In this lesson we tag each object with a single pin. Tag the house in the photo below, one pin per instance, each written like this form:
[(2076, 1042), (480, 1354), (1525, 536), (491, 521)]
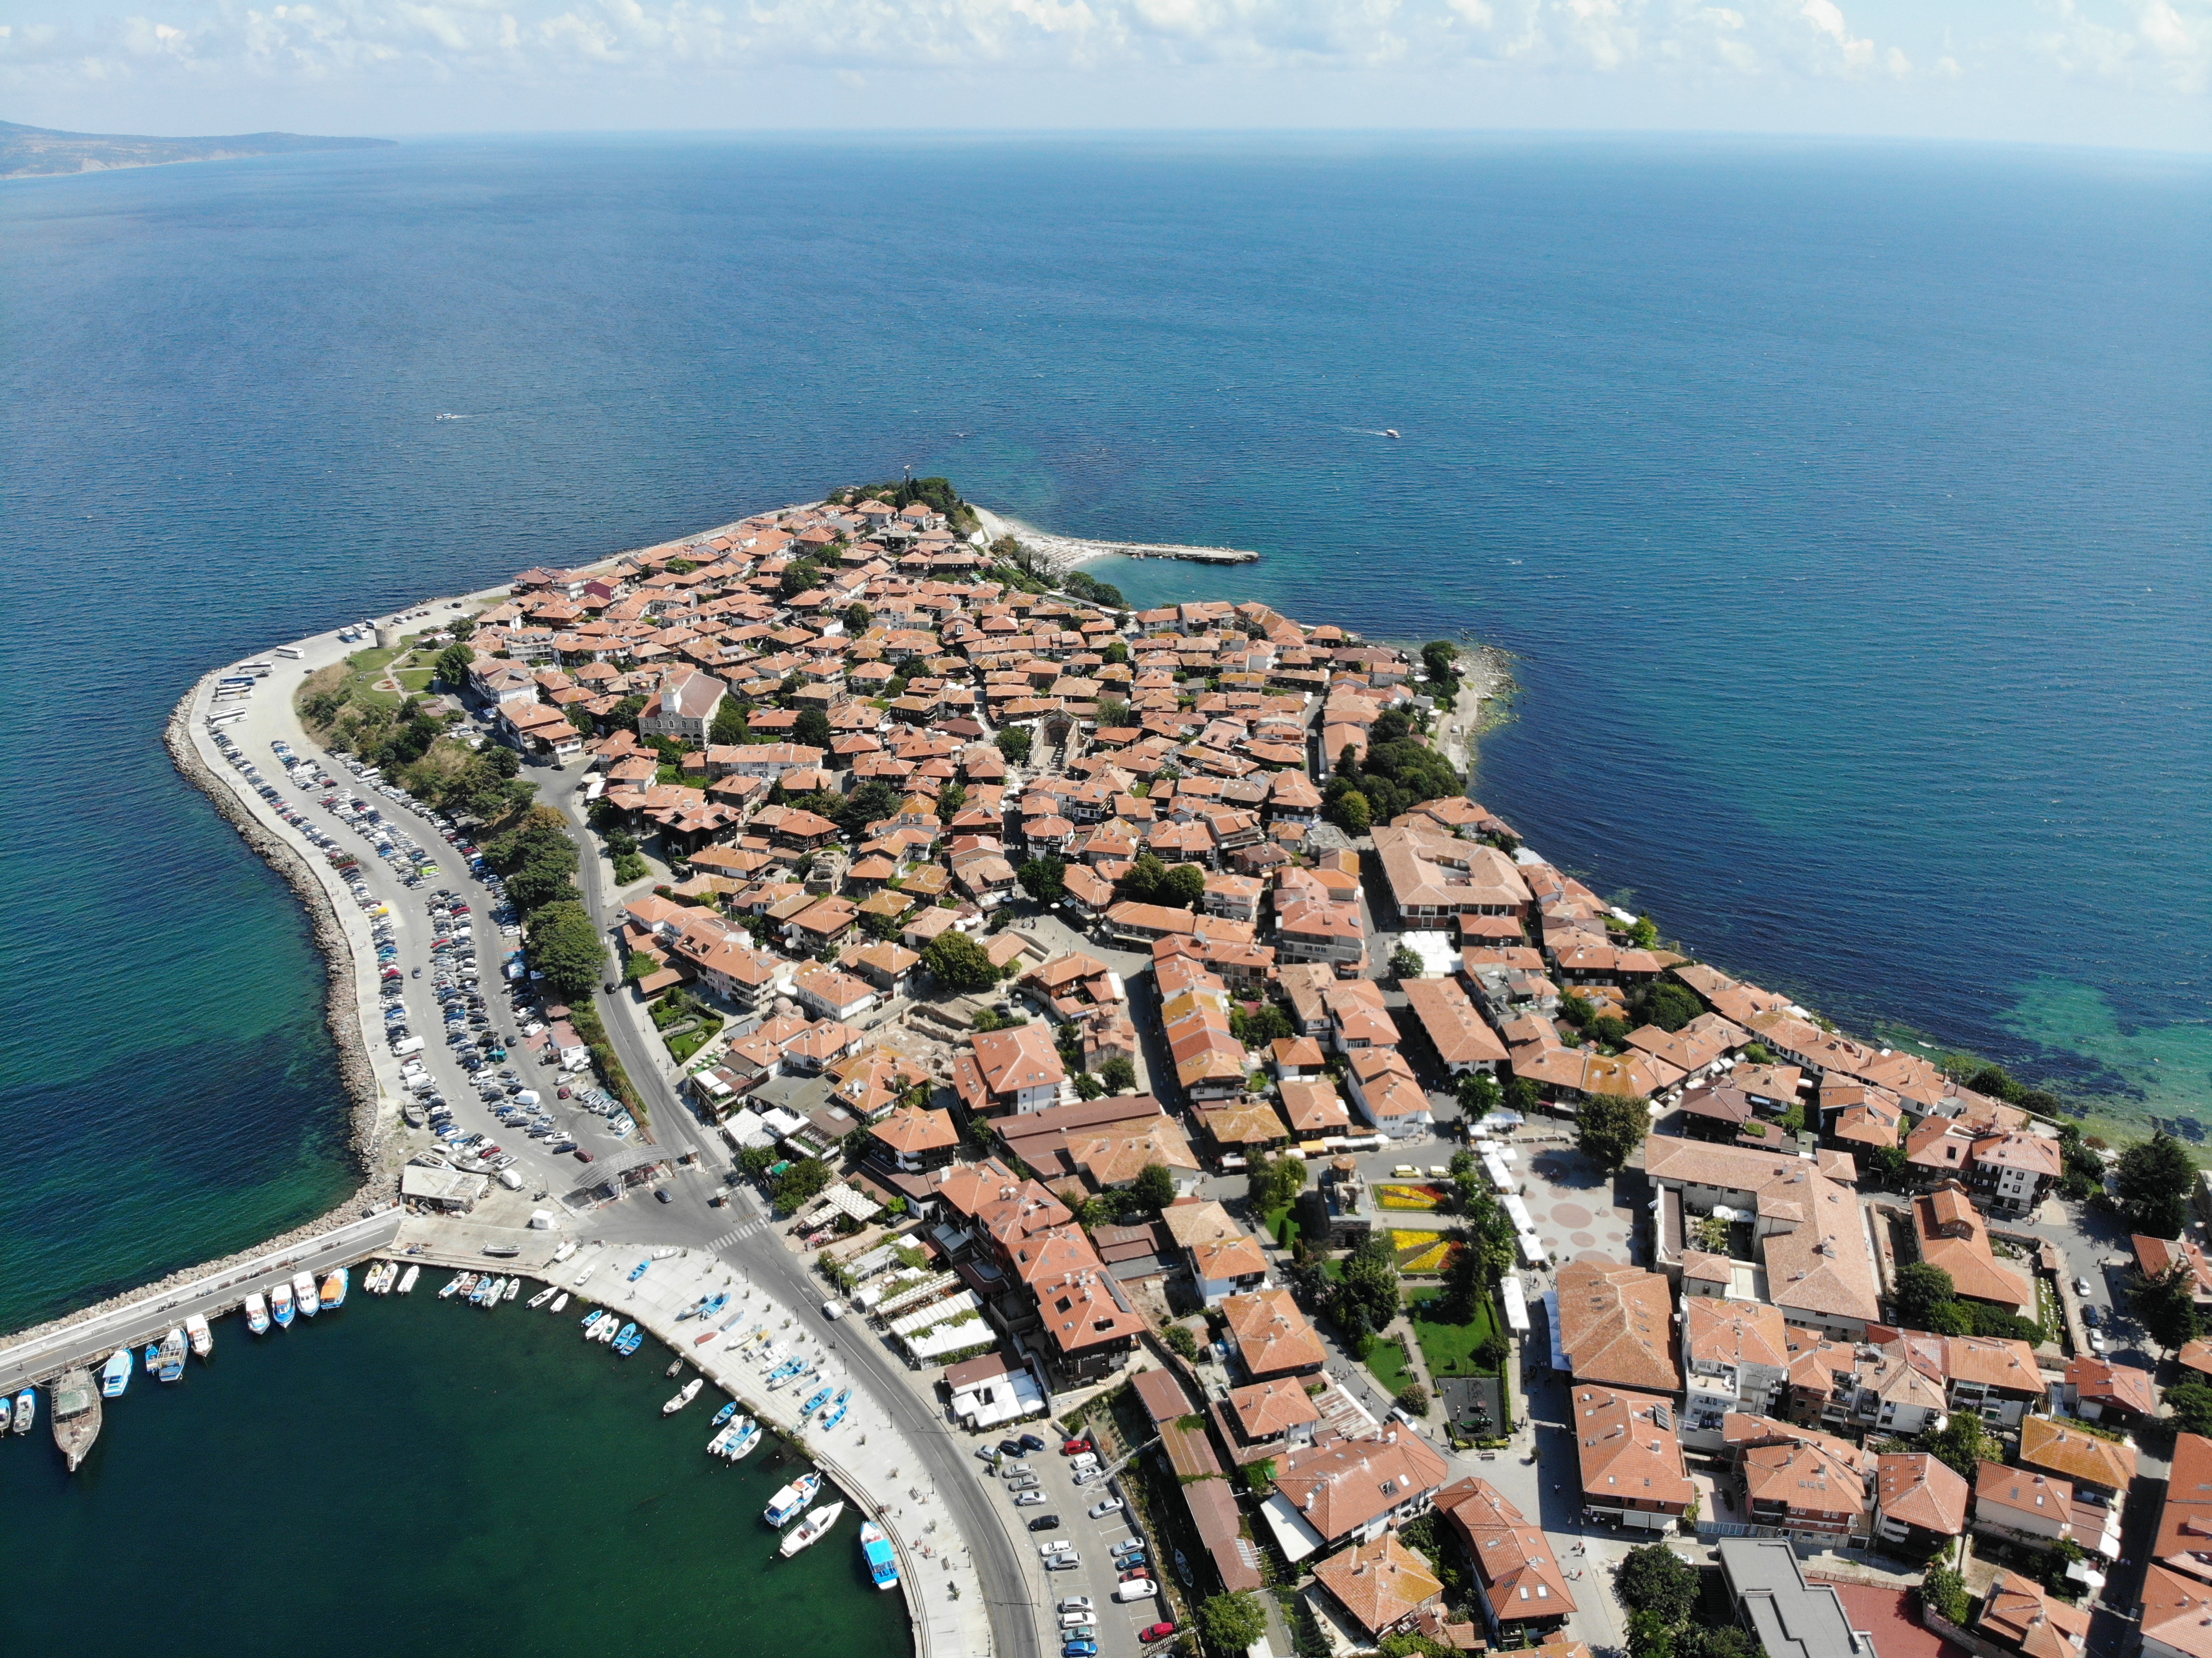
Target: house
[(1632, 1471), (1223, 1257), (2020, 1500), (1313, 1109), (829, 994), (2103, 1468), (1267, 1418), (914, 1139), (1522, 1589), (1919, 1501), (2156, 1257), (1088, 1325), (2098, 1390), (1736, 1358), (1781, 1611), (1616, 1326), (1434, 878), (682, 706), (1380, 1586), (1018, 1071), (2019, 1615), (1103, 1142), (1354, 1490), (1811, 1487), (1463, 1041), (1840, 1385), (1383, 1086), (1994, 1376), (1952, 1235), (1271, 1336)]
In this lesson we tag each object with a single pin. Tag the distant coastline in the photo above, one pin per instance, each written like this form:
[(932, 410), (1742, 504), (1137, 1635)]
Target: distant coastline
[(29, 152)]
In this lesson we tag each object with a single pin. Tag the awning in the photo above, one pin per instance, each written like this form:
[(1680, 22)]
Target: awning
[(1293, 1535)]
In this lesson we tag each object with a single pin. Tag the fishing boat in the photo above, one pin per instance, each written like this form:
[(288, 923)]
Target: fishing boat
[(835, 1413), (725, 1412), (407, 1278), (629, 1341), (26, 1409), (560, 1301), (883, 1559), (592, 1326), (115, 1375), (170, 1356), (152, 1356), (201, 1337), (609, 1327), (785, 1506), (335, 1285), (540, 1298), (815, 1401), (77, 1415), (640, 1270), (280, 1305), (567, 1249), (257, 1314), (453, 1284), (748, 1433), (811, 1530), (306, 1298), (685, 1396)]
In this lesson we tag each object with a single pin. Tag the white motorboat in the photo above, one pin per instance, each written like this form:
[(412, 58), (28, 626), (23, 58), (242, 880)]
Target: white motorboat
[(690, 1392), (202, 1337), (407, 1280), (811, 1530)]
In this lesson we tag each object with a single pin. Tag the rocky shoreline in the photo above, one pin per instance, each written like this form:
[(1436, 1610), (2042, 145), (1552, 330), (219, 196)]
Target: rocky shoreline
[(374, 1155)]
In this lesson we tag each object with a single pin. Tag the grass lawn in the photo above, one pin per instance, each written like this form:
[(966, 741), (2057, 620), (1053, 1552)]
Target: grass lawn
[(682, 1047), (1387, 1359), (1281, 1227), (1449, 1349), (417, 679)]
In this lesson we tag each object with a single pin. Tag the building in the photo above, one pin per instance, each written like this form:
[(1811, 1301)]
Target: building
[(1017, 1071), (1271, 1335), (1736, 1358), (1353, 1489), (914, 1139), (1786, 1615), (2177, 1615), (2098, 1390), (2036, 1508), (1379, 1587), (1919, 1501), (1632, 1472), (1616, 1326), (2101, 1466), (1463, 1041), (1522, 1589), (682, 707), (1810, 1487), (1952, 1235)]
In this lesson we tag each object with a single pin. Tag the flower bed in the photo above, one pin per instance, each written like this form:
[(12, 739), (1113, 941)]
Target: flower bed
[(1402, 1196), (1420, 1252)]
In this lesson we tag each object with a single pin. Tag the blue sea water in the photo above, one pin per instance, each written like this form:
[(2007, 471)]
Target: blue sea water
[(1846, 505)]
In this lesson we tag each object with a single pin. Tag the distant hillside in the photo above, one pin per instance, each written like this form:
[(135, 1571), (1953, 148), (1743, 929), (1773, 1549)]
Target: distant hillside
[(29, 151)]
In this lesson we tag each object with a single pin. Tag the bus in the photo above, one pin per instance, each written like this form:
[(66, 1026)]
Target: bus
[(291, 651)]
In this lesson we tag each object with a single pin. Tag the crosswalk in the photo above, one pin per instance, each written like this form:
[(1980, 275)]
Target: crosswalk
[(739, 1234)]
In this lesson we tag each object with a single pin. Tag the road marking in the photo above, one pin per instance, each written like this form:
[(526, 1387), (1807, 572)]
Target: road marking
[(737, 1236)]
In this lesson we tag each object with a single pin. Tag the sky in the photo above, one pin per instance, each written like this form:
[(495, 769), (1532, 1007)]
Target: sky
[(2132, 73)]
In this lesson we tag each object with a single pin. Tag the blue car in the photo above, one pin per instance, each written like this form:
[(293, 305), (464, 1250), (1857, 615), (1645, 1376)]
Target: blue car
[(1079, 1650)]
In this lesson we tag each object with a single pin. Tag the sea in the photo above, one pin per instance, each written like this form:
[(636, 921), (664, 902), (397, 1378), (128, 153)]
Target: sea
[(1843, 507)]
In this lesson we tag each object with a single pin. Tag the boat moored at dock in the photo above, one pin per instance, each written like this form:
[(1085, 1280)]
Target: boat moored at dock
[(811, 1530), (77, 1415), (115, 1375), (306, 1298), (169, 1359), (202, 1337), (407, 1278), (280, 1305), (27, 1409), (883, 1559), (257, 1314), (745, 1435), (335, 1285), (786, 1505), (690, 1392)]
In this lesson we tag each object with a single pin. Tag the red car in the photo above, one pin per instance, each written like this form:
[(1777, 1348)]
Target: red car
[(584, 1156), (1136, 1572), (1156, 1633), (1075, 1448)]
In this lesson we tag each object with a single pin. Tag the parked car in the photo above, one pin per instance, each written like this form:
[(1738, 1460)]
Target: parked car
[(1156, 1631), (1010, 1447), (1099, 1510), (2081, 1286), (1074, 1447), (1032, 1443), (1028, 1499), (1079, 1603), (1045, 1522)]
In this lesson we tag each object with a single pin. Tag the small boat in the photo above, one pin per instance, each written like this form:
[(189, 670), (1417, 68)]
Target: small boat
[(567, 1249), (584, 1277), (306, 1298), (453, 1284), (202, 1337), (513, 1289), (77, 1415), (639, 1271), (334, 1287), (1182, 1569), (115, 1375), (26, 1409), (725, 1412), (785, 1506), (835, 1414), (560, 1301), (629, 1340), (257, 1314), (609, 1327), (665, 1255), (280, 1305), (169, 1356), (719, 1444), (815, 1402), (690, 1391), (748, 1433), (883, 1559), (674, 1366), (407, 1278), (540, 1298), (1389, 431), (592, 1326), (811, 1530), (152, 1357)]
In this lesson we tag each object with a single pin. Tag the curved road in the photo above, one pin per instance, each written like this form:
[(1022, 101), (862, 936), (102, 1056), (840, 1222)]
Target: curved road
[(947, 1466)]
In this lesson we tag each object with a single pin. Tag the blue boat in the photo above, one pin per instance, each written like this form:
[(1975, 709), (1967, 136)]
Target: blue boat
[(115, 1375), (638, 1271), (815, 1402), (152, 1357), (715, 1304), (835, 1414), (881, 1558), (724, 1414), (629, 1341), (169, 1357)]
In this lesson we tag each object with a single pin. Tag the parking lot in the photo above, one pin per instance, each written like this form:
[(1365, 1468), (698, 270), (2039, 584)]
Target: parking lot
[(1042, 1484)]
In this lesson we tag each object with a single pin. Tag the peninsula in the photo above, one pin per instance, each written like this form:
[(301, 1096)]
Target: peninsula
[(1207, 1171), (33, 152)]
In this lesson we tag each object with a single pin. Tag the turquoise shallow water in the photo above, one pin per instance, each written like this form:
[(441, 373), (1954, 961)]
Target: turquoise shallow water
[(411, 1475), (1846, 506)]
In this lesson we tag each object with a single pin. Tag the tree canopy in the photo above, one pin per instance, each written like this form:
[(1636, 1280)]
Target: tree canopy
[(1608, 1129), (1044, 879), (2153, 1182), (1656, 1580), (1231, 1623), (1921, 1287), (566, 948), (958, 962), (2167, 1305)]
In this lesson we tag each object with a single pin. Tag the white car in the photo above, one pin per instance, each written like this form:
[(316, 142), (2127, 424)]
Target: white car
[(2098, 1344), (1100, 1510), (1026, 1499), (1079, 1603), (1058, 1545), (2081, 1287)]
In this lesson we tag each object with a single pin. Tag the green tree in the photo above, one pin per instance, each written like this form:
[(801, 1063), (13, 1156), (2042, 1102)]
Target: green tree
[(958, 962), (1015, 743), (729, 728), (801, 1183), (1413, 1398), (1273, 1183), (1405, 963), (1650, 1636), (566, 948), (1440, 660), (540, 882), (1353, 812), (1154, 1186), (1119, 1074), (858, 618), (1607, 1129), (1943, 1592), (1087, 1087), (2153, 1182), (1367, 1295), (1044, 879), (1479, 1095), (813, 729), (2191, 1402), (453, 664), (1921, 1287), (1233, 1622), (1183, 887), (1670, 1006), (2167, 1305), (800, 575), (1962, 1445), (757, 1160), (1146, 876), (1181, 1341), (1655, 1579)]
